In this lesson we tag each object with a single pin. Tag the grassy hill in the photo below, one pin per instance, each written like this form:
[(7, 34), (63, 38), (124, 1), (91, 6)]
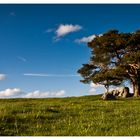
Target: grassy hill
[(74, 116)]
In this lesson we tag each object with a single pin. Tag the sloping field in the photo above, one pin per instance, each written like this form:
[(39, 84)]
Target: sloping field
[(74, 116)]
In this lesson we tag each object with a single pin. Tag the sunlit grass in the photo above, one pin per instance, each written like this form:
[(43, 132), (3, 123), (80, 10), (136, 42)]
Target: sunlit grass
[(75, 116)]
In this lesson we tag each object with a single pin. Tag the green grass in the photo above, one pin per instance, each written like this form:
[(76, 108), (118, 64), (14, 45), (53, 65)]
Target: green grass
[(75, 116)]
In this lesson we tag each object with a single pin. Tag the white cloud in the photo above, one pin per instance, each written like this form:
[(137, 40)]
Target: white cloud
[(96, 88), (2, 76), (92, 90), (86, 39), (50, 75), (38, 94), (18, 93), (65, 29), (58, 94), (9, 92), (92, 85)]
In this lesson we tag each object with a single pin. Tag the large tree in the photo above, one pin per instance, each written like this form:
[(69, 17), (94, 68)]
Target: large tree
[(115, 58)]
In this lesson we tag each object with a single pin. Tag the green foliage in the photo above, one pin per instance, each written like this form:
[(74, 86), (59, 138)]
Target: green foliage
[(114, 56), (75, 116), (87, 71)]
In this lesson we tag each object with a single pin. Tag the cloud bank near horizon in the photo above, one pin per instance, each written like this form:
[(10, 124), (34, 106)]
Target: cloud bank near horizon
[(39, 94), (18, 93), (9, 92)]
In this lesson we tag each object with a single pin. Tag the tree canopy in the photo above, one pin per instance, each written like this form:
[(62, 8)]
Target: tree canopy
[(115, 57)]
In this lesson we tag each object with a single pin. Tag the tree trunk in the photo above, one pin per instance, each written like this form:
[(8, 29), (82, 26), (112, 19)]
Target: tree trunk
[(107, 88), (133, 86), (136, 88), (134, 73)]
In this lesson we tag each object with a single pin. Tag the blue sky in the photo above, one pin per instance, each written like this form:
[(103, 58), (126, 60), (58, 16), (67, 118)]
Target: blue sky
[(43, 46)]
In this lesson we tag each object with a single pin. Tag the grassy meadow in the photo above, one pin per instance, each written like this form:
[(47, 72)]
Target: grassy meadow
[(73, 116)]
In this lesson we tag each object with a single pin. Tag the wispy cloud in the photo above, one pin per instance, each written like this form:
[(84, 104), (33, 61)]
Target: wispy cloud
[(22, 58), (50, 75), (49, 30), (65, 29), (2, 76)]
